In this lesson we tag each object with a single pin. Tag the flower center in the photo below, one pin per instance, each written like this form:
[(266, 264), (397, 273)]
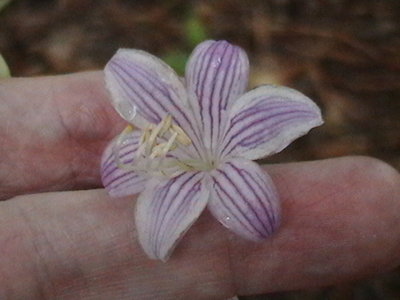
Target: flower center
[(153, 155)]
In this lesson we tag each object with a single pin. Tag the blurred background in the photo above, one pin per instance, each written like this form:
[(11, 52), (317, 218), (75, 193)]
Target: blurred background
[(344, 54)]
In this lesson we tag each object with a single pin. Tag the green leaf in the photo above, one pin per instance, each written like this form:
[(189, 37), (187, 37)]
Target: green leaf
[(3, 3), (177, 60), (4, 70), (195, 31)]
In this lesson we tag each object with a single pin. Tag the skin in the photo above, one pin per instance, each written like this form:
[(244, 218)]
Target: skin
[(340, 216)]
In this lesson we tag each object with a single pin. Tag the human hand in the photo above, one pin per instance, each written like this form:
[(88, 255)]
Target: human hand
[(340, 216)]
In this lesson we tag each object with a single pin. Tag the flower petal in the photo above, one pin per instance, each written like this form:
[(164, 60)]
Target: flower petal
[(145, 88), (117, 181), (216, 74), (266, 120), (244, 199), (137, 79), (166, 210)]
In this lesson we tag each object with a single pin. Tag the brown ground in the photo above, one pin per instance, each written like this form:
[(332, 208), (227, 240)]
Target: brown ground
[(344, 54)]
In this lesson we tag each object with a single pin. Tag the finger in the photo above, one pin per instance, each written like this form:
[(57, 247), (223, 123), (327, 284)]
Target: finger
[(52, 132), (340, 222)]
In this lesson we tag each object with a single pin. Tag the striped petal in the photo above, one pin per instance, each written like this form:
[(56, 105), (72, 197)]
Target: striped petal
[(266, 120), (143, 88), (244, 199), (216, 75), (118, 181), (166, 210)]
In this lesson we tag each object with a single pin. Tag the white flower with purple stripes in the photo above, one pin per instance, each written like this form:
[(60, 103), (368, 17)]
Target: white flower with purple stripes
[(195, 143)]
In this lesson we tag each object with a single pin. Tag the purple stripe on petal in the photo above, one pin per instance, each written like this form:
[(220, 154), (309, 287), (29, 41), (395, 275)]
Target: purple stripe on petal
[(152, 87), (267, 119), (140, 80), (176, 109), (232, 209), (174, 214), (228, 211), (182, 188), (217, 74), (244, 199), (117, 181), (205, 64), (262, 128), (120, 182), (110, 165), (178, 183), (261, 192), (126, 153), (127, 180), (266, 110), (266, 105), (236, 197), (237, 130), (166, 209), (214, 86), (228, 79), (138, 92), (261, 136)]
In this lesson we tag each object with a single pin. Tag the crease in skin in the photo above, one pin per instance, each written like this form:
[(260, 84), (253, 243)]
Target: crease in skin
[(75, 111)]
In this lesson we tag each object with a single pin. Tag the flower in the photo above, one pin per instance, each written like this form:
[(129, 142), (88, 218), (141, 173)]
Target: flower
[(196, 141)]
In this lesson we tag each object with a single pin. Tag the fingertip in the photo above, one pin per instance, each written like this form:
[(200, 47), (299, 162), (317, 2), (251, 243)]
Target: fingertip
[(340, 223), (377, 171)]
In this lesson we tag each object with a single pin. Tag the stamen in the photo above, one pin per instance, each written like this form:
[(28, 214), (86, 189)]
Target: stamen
[(157, 151), (163, 148), (166, 124), (151, 155), (170, 144), (182, 136), (151, 141), (145, 135), (141, 150)]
